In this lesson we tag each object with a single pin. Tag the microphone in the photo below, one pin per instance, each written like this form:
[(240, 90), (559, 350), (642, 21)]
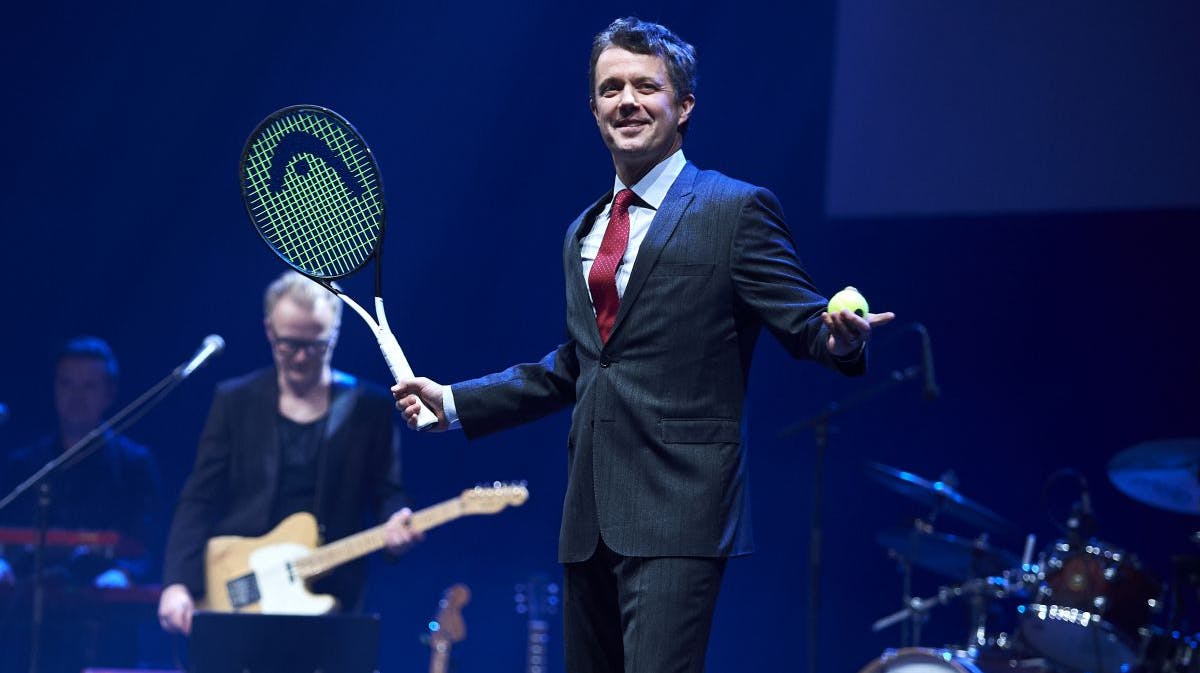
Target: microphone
[(1081, 522), (930, 391), (213, 345), (1085, 498), (1087, 517)]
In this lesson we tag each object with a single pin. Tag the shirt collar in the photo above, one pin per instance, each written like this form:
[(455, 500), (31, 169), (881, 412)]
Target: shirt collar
[(653, 188)]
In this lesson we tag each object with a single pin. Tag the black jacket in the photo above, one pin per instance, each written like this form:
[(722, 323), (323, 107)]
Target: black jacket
[(232, 487)]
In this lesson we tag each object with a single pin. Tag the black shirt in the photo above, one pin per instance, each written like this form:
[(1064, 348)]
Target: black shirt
[(300, 454)]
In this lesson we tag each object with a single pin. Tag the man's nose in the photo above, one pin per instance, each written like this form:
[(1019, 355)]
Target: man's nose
[(628, 99)]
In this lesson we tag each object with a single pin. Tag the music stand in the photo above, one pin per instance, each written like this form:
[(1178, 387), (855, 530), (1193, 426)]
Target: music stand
[(253, 643)]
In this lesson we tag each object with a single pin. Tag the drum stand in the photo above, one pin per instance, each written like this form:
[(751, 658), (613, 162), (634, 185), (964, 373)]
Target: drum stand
[(978, 590), (910, 630)]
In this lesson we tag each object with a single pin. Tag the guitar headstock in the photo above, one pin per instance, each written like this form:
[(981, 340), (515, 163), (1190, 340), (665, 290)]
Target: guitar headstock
[(448, 627), (492, 499), (537, 597)]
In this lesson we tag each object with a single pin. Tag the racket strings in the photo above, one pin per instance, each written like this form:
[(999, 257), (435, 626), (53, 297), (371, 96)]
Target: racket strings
[(314, 221)]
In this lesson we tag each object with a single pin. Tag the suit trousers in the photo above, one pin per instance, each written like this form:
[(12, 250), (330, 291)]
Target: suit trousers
[(638, 614)]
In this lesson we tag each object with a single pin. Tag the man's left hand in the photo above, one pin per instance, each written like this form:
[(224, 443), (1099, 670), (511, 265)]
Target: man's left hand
[(849, 332), (399, 533)]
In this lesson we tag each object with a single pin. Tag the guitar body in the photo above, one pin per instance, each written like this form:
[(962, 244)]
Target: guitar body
[(254, 574)]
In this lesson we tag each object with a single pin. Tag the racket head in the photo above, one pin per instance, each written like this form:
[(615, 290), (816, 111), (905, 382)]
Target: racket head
[(313, 192)]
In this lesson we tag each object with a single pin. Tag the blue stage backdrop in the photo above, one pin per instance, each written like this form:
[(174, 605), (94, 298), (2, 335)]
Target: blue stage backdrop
[(1060, 338)]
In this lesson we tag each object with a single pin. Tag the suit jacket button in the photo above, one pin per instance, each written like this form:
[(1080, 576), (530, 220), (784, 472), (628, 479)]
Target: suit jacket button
[(604, 363)]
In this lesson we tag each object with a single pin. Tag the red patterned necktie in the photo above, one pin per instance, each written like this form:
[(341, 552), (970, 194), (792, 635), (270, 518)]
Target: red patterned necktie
[(602, 279)]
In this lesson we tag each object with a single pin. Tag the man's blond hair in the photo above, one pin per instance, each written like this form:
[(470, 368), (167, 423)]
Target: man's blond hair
[(303, 291)]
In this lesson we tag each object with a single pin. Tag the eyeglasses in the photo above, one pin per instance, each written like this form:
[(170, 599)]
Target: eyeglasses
[(289, 346)]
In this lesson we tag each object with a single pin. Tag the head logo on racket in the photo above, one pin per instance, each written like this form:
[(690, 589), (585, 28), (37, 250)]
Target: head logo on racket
[(313, 191)]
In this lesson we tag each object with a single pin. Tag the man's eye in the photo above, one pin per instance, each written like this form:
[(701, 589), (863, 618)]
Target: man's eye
[(608, 91), (648, 88)]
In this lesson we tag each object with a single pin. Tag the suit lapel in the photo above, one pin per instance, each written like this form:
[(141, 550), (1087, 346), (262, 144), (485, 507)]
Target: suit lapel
[(262, 433), (340, 404), (661, 227), (579, 298), (342, 395)]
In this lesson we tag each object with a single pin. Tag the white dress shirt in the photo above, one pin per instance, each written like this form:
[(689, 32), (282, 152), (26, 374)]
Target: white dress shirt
[(651, 189)]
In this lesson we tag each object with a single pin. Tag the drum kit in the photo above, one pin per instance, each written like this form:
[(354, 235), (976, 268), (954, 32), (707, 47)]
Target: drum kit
[(1080, 605)]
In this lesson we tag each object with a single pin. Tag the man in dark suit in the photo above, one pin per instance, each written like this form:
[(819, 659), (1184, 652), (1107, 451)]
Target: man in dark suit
[(669, 279), (300, 437)]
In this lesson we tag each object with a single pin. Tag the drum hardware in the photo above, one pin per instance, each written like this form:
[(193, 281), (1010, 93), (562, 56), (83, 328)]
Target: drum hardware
[(920, 660), (925, 660), (1163, 474), (941, 496), (1166, 474), (1083, 605), (1091, 609), (974, 561), (950, 555), (979, 591), (957, 557), (1091, 602), (982, 586)]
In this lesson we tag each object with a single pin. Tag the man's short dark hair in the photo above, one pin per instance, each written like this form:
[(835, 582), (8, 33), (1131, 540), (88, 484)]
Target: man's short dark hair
[(643, 37), (93, 348)]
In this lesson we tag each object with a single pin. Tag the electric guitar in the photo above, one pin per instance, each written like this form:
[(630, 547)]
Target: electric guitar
[(538, 600), (448, 627), (269, 574)]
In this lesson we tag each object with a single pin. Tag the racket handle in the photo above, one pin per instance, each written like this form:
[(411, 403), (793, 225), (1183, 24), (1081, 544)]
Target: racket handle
[(400, 369)]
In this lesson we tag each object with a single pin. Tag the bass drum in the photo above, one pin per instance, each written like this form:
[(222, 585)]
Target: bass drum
[(924, 660), (1091, 609), (920, 660)]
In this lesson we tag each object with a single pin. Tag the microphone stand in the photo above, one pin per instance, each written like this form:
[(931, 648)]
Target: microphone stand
[(820, 424), (76, 453)]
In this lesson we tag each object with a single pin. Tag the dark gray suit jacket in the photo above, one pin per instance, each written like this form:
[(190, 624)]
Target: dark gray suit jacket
[(656, 460), (232, 487)]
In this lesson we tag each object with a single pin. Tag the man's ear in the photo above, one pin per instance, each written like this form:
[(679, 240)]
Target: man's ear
[(686, 104)]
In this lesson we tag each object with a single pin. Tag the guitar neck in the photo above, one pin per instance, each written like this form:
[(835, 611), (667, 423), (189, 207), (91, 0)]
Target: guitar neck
[(439, 657), (327, 557), (535, 654)]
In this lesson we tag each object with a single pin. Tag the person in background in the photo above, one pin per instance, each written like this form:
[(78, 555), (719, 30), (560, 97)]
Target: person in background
[(296, 437), (112, 487)]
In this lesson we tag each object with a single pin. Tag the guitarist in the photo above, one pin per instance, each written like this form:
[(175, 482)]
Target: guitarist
[(298, 437)]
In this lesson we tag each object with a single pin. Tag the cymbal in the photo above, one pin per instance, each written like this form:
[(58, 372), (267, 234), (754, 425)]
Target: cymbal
[(1163, 473), (950, 555), (939, 495)]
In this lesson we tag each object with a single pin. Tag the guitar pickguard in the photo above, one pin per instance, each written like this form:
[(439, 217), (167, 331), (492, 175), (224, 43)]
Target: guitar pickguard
[(281, 589)]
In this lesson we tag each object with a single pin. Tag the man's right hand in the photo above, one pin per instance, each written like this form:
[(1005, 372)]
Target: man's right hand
[(406, 392), (175, 608)]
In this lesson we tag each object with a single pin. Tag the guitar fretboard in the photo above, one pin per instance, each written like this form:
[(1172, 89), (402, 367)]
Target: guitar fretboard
[(535, 655), (327, 557)]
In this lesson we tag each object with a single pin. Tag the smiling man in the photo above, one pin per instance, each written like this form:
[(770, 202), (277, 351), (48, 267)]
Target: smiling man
[(670, 277)]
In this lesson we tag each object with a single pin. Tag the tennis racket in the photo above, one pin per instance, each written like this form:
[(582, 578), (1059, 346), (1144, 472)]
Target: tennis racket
[(312, 189)]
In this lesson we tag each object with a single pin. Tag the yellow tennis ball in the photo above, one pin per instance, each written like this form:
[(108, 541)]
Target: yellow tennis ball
[(849, 299)]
